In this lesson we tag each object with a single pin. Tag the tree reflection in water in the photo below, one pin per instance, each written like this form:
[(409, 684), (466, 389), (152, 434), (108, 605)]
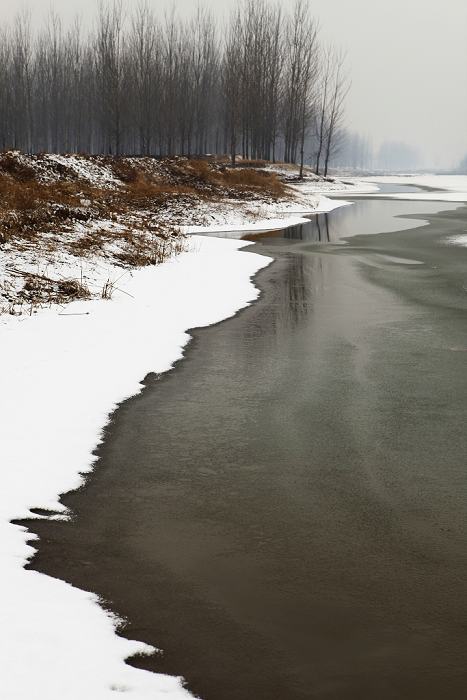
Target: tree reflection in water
[(317, 230)]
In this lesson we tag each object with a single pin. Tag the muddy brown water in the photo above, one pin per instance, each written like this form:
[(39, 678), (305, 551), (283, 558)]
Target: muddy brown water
[(284, 513)]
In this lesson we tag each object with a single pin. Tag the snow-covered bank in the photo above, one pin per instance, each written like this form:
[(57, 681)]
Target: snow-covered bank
[(237, 218), (236, 224), (61, 376)]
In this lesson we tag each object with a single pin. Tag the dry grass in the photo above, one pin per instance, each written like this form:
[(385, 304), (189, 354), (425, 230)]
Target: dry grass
[(28, 207), (146, 191), (90, 243), (123, 171), (258, 181), (249, 163), (150, 249), (214, 179), (29, 204), (11, 165), (54, 211), (42, 200), (40, 290)]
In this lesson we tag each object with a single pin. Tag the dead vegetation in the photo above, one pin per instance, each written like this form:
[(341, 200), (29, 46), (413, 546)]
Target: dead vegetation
[(42, 290), (150, 249), (117, 210), (39, 195), (158, 182), (216, 179)]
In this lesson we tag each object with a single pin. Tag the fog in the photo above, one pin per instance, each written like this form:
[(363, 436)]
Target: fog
[(407, 62)]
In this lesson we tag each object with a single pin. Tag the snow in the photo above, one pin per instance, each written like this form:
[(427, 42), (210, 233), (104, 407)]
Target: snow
[(94, 173), (350, 185), (456, 183), (461, 240), (63, 371), (236, 229), (281, 215), (326, 205), (240, 216)]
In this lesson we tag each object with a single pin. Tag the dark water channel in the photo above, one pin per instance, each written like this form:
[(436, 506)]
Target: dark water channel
[(284, 514)]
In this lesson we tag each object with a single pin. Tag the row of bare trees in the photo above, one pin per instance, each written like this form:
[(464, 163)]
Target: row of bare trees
[(261, 86)]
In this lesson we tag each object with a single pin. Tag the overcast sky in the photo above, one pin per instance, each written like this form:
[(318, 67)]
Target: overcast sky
[(407, 60)]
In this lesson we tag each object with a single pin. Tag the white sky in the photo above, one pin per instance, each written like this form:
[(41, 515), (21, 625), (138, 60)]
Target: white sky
[(407, 60)]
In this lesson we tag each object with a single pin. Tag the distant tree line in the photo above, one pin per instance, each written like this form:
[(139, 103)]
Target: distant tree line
[(355, 152), (262, 86), (462, 167), (398, 156)]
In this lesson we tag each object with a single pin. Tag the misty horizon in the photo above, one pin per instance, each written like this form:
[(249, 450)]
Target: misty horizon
[(406, 77)]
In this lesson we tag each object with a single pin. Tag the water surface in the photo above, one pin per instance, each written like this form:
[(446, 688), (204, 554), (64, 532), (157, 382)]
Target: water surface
[(362, 217)]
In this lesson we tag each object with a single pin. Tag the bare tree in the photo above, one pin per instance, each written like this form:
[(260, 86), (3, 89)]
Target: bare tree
[(77, 102), (232, 84), (274, 62), (110, 74), (204, 61), (301, 76), (145, 70), (5, 89), (323, 105), (21, 81), (339, 89)]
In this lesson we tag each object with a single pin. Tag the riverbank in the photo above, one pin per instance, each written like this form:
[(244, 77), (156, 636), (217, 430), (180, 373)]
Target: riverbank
[(68, 364)]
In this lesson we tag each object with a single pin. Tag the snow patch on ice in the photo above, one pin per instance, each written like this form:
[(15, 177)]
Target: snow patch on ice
[(326, 205), (237, 230), (460, 239), (447, 188)]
